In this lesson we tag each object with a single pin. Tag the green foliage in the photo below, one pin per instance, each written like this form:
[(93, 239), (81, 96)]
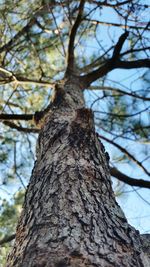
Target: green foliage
[(9, 214), (9, 211), (3, 156)]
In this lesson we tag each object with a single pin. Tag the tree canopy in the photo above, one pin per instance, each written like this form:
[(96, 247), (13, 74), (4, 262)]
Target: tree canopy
[(106, 44)]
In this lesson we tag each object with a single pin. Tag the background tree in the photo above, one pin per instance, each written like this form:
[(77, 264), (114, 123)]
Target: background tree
[(35, 55)]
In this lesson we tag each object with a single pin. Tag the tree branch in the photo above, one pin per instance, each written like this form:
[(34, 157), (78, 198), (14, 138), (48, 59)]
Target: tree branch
[(116, 25), (121, 115), (118, 46), (7, 239), (122, 149), (25, 117), (70, 64), (96, 63), (87, 79), (25, 29), (122, 92), (128, 180), (117, 4), (108, 66), (10, 77), (132, 50), (141, 63), (22, 80), (19, 128), (111, 64)]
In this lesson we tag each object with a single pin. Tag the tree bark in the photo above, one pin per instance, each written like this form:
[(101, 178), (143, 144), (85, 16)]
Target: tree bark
[(70, 216)]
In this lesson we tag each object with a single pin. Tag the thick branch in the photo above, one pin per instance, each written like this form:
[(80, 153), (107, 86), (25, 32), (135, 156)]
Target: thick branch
[(114, 63), (128, 180), (72, 37), (7, 239), (25, 117), (87, 79), (108, 66), (141, 63), (119, 45), (96, 63)]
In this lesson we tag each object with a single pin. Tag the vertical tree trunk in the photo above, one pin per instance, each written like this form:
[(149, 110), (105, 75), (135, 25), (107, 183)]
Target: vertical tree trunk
[(70, 216)]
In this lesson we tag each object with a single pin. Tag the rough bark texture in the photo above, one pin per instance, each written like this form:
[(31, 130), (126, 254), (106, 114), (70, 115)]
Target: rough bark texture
[(70, 216)]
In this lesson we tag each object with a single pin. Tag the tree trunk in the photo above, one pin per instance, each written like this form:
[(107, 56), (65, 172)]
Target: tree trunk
[(70, 216)]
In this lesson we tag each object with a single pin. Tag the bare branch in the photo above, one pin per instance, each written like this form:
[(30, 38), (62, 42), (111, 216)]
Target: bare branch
[(132, 50), (111, 64), (116, 25), (9, 77), (87, 79), (74, 29), (121, 115), (107, 88), (96, 63), (117, 4), (108, 66), (128, 180), (7, 239), (141, 63), (19, 128), (122, 149), (24, 117), (22, 80), (119, 45)]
